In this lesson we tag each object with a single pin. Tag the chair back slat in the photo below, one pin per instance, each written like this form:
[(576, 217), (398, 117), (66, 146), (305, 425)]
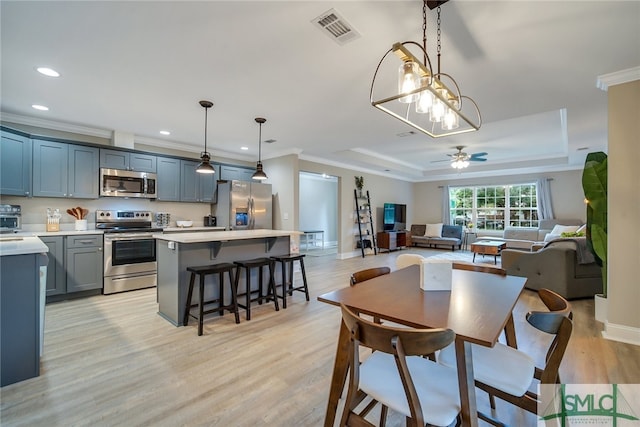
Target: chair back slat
[(415, 342), (368, 274), (480, 268)]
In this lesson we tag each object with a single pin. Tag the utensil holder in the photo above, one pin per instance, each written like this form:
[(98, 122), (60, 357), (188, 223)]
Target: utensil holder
[(81, 224), (53, 227)]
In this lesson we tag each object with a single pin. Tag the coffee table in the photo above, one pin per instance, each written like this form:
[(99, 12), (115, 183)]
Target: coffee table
[(488, 247)]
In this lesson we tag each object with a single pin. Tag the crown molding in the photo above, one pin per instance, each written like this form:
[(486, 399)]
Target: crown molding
[(619, 77), (58, 126)]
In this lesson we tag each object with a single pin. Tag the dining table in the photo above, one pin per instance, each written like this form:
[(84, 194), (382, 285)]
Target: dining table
[(478, 308)]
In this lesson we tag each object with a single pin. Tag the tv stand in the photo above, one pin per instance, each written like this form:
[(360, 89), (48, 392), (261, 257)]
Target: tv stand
[(392, 240)]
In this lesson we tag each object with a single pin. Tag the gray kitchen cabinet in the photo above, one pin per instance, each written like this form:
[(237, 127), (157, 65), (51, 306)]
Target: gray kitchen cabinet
[(56, 274), (194, 186), (65, 170), (125, 160), (15, 165), (84, 261), (230, 173), (168, 179)]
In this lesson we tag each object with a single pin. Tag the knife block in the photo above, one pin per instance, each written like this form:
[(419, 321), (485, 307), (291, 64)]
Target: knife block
[(53, 227)]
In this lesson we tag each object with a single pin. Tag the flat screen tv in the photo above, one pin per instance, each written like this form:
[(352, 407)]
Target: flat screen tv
[(395, 217)]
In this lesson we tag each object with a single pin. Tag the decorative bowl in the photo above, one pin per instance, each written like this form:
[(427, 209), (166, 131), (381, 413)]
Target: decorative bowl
[(184, 223)]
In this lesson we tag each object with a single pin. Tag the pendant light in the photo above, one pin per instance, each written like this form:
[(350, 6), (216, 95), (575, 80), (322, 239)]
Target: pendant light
[(259, 173), (205, 165), (424, 98)]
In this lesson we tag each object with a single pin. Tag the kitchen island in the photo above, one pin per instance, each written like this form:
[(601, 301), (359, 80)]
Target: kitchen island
[(21, 307), (177, 251)]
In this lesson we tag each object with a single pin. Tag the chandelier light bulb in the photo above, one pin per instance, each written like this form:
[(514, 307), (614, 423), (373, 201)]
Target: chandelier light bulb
[(450, 120), (424, 103), (408, 80)]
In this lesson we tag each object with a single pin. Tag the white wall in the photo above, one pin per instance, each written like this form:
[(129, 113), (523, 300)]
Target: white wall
[(319, 205), (283, 175)]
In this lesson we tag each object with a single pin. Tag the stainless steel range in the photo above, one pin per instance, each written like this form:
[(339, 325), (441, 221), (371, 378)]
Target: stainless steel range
[(129, 250)]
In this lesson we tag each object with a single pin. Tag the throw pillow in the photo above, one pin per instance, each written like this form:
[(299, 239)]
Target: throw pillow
[(433, 230), (550, 236), (559, 229)]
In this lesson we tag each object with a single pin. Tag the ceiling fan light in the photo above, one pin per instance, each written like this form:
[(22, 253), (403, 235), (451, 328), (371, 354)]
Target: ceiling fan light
[(408, 80)]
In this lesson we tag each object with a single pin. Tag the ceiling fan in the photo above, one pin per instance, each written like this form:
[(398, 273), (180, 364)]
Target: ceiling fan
[(460, 160)]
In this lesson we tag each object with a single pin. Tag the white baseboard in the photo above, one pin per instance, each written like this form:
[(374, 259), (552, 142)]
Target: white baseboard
[(621, 333)]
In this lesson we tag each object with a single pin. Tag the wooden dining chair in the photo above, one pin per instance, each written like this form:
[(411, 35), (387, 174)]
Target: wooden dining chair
[(394, 376), (405, 260), (369, 273), (509, 329), (481, 268), (508, 373)]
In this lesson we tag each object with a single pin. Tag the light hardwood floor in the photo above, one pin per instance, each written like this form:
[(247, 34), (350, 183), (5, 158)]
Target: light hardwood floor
[(111, 360)]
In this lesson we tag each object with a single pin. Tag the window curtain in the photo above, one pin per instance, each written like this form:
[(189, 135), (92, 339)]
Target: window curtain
[(446, 205), (543, 195)]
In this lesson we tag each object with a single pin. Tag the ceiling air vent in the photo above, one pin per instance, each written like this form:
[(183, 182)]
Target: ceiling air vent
[(336, 27)]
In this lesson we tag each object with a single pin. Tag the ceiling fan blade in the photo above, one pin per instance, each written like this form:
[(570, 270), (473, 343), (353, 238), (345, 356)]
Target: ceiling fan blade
[(477, 159), (476, 155), (440, 161)]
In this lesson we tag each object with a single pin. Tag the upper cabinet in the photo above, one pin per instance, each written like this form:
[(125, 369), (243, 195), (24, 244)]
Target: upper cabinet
[(168, 179), (194, 186), (65, 170), (230, 173), (15, 165), (116, 159)]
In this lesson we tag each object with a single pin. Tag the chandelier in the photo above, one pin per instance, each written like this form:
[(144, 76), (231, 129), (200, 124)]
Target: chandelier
[(428, 101)]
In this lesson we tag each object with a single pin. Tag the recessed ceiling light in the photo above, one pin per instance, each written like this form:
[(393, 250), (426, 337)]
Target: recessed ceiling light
[(244, 148), (165, 132), (50, 72), (40, 107)]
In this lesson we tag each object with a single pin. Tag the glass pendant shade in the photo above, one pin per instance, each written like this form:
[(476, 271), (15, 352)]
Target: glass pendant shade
[(438, 108), (408, 80), (424, 103), (451, 119)]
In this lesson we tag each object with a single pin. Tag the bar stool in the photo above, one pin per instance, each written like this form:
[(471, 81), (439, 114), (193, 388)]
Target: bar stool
[(290, 259), (203, 271), (247, 265)]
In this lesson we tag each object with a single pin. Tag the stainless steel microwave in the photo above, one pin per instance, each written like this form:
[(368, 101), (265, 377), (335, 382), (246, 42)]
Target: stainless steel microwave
[(122, 183)]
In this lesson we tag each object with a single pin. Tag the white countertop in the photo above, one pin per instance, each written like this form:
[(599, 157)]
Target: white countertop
[(220, 236), (190, 229), (21, 245)]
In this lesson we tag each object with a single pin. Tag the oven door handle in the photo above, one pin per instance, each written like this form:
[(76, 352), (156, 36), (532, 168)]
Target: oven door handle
[(130, 237)]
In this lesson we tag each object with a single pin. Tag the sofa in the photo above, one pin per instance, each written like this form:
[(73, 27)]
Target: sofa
[(524, 238), (561, 265), (450, 236)]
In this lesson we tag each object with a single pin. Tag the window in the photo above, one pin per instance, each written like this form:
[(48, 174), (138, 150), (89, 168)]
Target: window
[(494, 207)]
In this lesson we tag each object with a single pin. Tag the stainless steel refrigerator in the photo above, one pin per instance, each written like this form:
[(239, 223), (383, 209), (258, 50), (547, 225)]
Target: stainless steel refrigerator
[(243, 205)]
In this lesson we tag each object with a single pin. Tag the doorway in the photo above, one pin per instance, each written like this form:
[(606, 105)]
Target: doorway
[(318, 213)]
